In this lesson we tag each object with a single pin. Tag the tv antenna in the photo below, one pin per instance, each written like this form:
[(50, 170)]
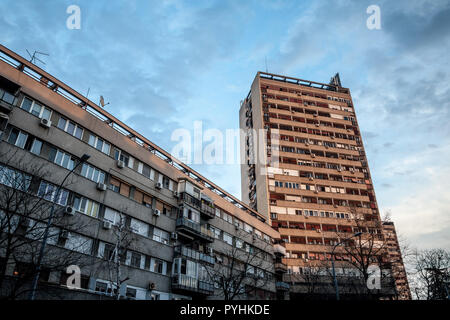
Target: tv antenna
[(102, 102), (34, 58)]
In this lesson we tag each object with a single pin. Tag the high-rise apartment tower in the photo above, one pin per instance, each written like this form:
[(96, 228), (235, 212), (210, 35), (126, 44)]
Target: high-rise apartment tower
[(308, 175)]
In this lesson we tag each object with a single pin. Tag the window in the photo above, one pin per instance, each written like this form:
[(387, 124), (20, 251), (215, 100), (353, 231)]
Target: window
[(227, 238), (248, 228), (160, 236), (227, 217), (92, 173), (17, 138), (113, 216), (62, 159), (216, 232), (165, 182), (159, 266), (78, 243), (48, 192), (36, 109), (14, 179), (6, 96), (134, 259), (86, 206), (101, 287), (139, 227), (119, 155), (99, 144), (70, 127), (106, 251), (36, 147)]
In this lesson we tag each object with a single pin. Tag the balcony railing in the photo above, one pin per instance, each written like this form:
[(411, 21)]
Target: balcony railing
[(280, 285), (195, 229), (207, 210), (280, 267), (194, 254), (188, 283), (190, 200)]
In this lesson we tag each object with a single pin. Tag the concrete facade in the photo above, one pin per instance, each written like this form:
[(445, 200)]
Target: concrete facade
[(181, 222)]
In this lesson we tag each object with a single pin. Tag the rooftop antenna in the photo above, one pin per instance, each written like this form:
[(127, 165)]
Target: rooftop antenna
[(265, 60), (34, 58), (102, 102)]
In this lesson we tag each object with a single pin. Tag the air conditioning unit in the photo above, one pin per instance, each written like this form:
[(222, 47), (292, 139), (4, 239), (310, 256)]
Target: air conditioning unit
[(176, 194), (339, 169), (316, 191), (306, 144), (45, 123), (313, 155), (156, 212), (120, 164), (101, 186), (311, 178), (318, 231), (326, 147), (317, 124), (315, 114), (64, 234), (158, 185), (151, 286), (69, 210), (332, 137), (174, 236), (335, 205), (107, 224)]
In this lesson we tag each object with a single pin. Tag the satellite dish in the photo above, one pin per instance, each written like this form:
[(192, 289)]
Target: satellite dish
[(102, 102)]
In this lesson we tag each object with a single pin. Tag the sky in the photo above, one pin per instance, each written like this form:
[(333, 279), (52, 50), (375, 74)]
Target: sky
[(165, 64)]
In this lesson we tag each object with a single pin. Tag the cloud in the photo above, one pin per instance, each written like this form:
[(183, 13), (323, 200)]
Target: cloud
[(165, 64)]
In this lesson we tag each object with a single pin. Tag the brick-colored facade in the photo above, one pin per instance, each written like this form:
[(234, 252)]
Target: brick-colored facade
[(322, 179)]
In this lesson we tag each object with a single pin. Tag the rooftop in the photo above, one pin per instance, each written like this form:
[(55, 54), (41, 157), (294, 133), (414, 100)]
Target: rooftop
[(80, 101)]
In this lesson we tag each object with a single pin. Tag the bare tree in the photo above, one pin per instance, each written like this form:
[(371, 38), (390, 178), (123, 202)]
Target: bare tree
[(367, 253), (116, 257), (431, 274), (240, 270), (26, 200)]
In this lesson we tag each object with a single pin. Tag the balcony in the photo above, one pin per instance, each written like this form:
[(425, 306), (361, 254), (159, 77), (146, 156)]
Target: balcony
[(190, 200), (207, 209), (194, 254), (279, 250), (280, 267), (194, 230), (185, 283), (5, 107), (282, 286)]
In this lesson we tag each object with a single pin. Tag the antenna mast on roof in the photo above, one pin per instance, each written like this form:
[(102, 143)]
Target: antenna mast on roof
[(33, 57)]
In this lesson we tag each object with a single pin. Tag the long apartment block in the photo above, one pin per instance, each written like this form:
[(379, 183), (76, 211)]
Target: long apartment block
[(320, 181), (181, 223)]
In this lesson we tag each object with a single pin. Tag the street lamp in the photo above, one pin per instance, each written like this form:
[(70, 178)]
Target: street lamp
[(332, 262), (83, 159)]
